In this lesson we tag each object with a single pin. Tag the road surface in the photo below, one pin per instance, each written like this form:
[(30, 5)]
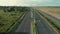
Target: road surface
[(42, 26), (25, 25)]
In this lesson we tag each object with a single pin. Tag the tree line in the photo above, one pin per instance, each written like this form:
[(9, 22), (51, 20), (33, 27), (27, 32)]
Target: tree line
[(11, 9)]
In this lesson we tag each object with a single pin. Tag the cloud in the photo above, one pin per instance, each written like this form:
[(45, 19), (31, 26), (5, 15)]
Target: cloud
[(7, 2), (28, 2)]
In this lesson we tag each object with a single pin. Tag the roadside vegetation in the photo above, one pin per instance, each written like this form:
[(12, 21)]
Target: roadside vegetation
[(10, 17), (34, 23)]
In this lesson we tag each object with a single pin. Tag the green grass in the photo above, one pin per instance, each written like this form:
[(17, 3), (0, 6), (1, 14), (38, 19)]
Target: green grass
[(9, 20), (16, 23), (11, 17), (34, 28)]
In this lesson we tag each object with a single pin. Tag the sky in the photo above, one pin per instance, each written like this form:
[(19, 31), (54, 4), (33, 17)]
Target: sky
[(29, 2)]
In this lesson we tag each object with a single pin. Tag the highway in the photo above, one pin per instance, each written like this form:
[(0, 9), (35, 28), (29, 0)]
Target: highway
[(25, 26), (42, 26)]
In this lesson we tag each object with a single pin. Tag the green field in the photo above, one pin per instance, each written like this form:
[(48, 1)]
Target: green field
[(10, 17)]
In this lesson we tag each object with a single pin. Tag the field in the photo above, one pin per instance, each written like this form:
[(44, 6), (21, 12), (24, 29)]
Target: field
[(52, 11), (10, 17)]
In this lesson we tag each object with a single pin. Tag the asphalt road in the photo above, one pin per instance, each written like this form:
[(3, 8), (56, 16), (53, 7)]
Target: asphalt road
[(25, 25), (42, 26)]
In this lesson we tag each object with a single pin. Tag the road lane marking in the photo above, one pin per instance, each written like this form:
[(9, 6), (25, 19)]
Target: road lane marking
[(49, 24)]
